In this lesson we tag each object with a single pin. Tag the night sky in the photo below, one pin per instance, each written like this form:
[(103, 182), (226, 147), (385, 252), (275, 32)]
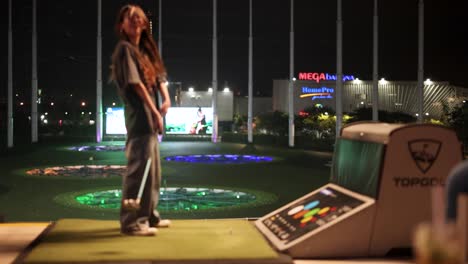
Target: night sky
[(67, 42)]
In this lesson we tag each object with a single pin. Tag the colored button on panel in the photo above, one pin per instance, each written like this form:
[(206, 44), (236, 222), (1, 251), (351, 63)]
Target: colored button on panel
[(312, 212), (311, 205)]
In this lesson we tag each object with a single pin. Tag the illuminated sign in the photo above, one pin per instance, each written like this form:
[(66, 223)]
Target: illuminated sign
[(115, 121), (189, 120), (179, 120), (320, 76), (317, 93)]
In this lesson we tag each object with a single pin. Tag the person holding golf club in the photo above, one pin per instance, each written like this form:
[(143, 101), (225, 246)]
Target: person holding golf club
[(139, 74)]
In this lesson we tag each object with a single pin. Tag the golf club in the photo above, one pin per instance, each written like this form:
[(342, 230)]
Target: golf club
[(131, 204)]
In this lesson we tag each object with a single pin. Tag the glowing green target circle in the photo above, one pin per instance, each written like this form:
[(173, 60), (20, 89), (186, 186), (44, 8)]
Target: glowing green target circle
[(173, 199)]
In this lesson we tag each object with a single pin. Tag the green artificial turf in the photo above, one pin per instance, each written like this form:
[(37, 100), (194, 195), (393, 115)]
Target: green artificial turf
[(83, 240), (292, 174)]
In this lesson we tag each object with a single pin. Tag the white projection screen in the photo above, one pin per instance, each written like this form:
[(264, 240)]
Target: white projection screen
[(179, 120)]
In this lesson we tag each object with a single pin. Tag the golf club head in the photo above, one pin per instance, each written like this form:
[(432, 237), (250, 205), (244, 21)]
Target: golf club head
[(131, 204)]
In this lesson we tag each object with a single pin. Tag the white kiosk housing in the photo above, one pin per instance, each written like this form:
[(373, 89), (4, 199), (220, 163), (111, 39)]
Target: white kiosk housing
[(379, 191)]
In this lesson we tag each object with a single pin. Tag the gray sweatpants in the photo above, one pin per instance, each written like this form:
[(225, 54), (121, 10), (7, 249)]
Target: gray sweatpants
[(138, 150)]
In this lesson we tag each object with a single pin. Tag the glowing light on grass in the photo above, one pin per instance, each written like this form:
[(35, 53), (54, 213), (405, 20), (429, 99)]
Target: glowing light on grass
[(83, 171), (98, 148), (219, 158), (173, 199)]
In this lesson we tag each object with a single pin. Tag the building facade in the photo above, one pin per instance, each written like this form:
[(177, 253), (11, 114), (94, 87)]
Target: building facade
[(204, 99), (259, 105), (394, 96)]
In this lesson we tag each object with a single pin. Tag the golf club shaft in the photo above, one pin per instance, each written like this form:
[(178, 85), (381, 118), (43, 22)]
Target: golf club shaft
[(143, 181)]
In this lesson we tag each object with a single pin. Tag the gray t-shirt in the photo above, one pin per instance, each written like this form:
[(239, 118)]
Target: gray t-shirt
[(138, 118)]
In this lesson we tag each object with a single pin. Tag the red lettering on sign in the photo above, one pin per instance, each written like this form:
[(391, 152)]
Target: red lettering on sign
[(303, 76), (312, 76)]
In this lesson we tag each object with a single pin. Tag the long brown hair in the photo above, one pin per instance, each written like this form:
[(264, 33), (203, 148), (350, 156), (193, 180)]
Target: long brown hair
[(149, 58)]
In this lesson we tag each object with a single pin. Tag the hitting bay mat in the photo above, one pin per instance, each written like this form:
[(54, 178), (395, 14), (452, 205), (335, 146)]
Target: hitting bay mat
[(82, 240)]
